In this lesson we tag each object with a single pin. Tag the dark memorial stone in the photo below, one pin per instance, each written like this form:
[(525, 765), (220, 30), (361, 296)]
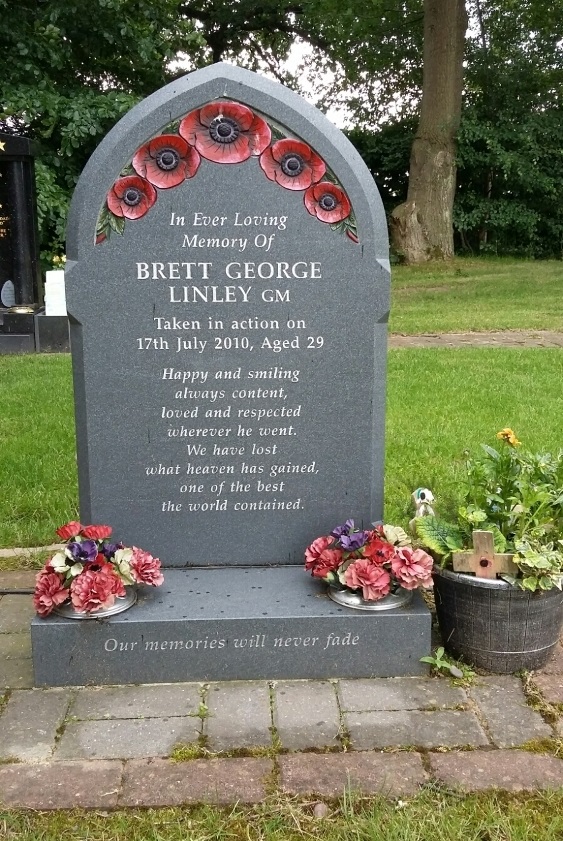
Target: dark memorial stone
[(227, 285), (19, 251)]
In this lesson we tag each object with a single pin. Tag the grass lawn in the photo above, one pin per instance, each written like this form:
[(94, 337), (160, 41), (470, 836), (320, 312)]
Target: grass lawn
[(440, 402), (477, 294), (431, 816)]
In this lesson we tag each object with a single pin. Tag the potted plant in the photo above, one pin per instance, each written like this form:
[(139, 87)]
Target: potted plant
[(499, 567), (369, 569), (91, 577)]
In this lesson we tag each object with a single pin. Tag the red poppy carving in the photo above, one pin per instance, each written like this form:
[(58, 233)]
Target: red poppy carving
[(166, 161), (292, 164), (226, 132), (131, 197), (327, 202)]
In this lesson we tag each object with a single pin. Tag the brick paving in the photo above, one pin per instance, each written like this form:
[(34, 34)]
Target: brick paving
[(106, 747)]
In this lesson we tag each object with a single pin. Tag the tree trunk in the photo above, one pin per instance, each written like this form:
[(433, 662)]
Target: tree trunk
[(421, 228)]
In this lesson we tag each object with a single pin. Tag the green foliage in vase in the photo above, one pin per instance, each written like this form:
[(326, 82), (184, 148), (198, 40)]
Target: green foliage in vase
[(518, 496)]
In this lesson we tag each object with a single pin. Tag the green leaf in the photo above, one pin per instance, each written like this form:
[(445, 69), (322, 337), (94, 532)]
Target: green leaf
[(117, 223), (529, 583), (438, 536)]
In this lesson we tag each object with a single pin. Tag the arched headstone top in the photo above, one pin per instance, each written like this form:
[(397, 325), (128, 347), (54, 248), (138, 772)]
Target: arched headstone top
[(287, 114), (228, 292)]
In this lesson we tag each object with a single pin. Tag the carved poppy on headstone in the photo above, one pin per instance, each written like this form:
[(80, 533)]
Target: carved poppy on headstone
[(327, 202), (292, 164), (226, 132), (166, 161), (131, 197)]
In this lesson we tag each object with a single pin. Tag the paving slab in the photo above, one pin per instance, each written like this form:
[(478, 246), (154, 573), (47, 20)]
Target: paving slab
[(554, 665), (21, 579), (162, 782), (414, 728), (146, 701), (550, 686), (125, 738), (16, 613), (16, 673), (29, 723), (306, 714), (68, 785), (239, 715), (512, 770), (330, 775), (508, 719), (15, 646), (399, 693)]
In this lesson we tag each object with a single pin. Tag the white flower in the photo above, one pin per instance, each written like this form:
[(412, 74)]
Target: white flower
[(76, 569), (122, 562), (59, 563)]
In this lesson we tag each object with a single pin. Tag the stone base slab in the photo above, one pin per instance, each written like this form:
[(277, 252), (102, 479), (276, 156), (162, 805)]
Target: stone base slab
[(232, 624)]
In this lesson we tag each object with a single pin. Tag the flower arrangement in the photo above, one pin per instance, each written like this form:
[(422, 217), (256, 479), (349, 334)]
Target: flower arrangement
[(518, 496), (376, 562), (90, 572)]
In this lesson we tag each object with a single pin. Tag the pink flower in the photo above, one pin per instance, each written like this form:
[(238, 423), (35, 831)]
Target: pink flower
[(96, 532), (328, 561), (49, 591), (145, 569), (292, 164), (374, 580), (93, 590), (226, 132), (412, 568), (314, 551), (69, 530)]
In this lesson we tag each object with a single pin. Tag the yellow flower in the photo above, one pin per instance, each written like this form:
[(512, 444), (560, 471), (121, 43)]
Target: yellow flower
[(508, 435)]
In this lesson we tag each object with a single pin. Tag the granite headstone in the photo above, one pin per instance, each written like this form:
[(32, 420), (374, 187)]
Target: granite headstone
[(227, 285)]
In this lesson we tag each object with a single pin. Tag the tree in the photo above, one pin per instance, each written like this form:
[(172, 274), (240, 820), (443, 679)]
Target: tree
[(422, 227), (75, 67)]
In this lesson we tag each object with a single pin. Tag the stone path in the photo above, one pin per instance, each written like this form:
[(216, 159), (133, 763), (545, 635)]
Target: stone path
[(169, 744), (504, 338)]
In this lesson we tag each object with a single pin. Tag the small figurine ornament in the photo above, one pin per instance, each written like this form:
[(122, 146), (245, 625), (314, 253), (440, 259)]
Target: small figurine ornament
[(422, 498)]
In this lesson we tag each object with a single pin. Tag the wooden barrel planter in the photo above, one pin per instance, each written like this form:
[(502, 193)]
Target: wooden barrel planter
[(494, 626)]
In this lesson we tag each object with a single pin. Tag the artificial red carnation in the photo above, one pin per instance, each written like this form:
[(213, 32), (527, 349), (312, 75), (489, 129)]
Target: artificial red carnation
[(69, 530), (145, 569), (315, 550), (328, 561), (327, 202), (412, 568), (93, 590), (292, 164), (131, 197), (166, 161), (96, 532), (49, 591), (374, 580), (226, 132)]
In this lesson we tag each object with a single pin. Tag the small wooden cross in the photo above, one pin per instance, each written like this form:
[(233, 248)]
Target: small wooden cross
[(483, 561)]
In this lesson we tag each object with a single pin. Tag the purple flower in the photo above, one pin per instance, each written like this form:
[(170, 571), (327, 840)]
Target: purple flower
[(84, 552), (345, 529), (351, 542), (109, 549)]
